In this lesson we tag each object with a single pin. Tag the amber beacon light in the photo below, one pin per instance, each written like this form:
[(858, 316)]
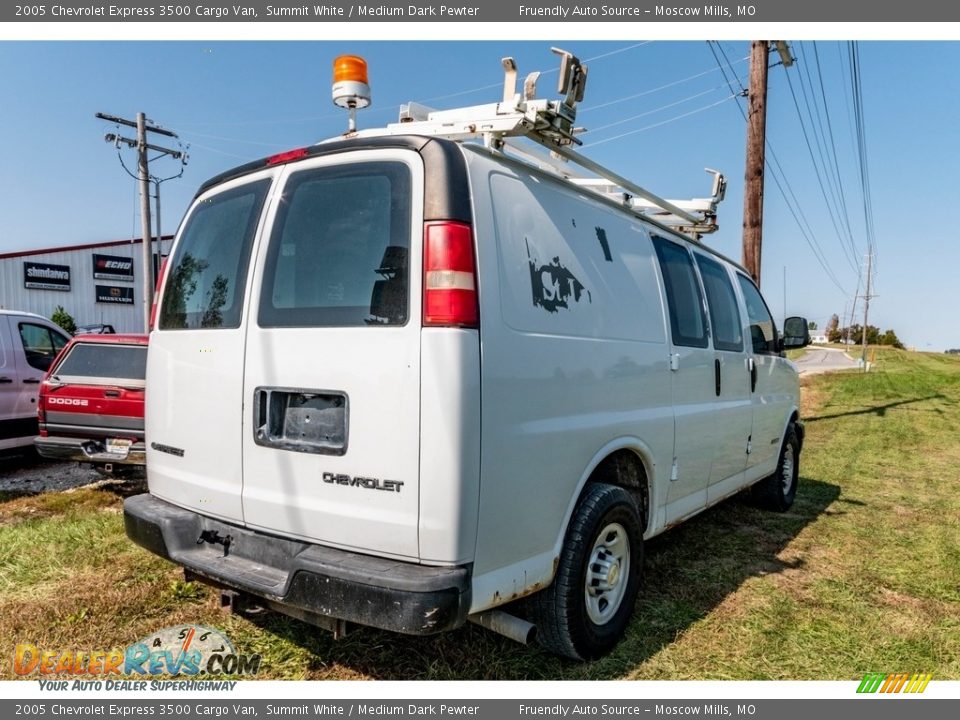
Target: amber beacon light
[(351, 90)]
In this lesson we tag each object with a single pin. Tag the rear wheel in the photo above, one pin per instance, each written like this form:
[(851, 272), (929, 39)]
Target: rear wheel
[(778, 491), (585, 612)]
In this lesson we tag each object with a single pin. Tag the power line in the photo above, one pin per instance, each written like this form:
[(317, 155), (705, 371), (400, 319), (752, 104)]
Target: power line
[(831, 171), (833, 145), (660, 124), (807, 233), (652, 90), (656, 110), (385, 107), (816, 169)]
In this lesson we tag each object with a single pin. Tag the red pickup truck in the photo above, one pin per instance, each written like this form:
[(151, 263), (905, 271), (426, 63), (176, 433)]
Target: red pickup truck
[(91, 403)]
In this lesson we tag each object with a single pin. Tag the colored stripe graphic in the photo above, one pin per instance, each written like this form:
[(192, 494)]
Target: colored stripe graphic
[(871, 682), (894, 683)]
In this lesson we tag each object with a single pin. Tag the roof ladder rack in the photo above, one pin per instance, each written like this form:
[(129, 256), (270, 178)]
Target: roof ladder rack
[(550, 124)]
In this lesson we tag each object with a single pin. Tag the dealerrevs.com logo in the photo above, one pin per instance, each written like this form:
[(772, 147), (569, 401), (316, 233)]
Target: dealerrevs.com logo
[(190, 650)]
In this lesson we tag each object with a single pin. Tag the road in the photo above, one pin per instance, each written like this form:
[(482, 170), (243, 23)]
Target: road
[(821, 360)]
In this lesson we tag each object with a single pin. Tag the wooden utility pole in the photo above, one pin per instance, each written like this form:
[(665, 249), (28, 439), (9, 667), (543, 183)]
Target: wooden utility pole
[(756, 146), (146, 248), (142, 146), (753, 177), (866, 309)]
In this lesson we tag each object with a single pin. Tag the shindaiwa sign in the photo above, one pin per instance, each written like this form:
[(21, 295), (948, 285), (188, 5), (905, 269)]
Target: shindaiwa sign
[(46, 276)]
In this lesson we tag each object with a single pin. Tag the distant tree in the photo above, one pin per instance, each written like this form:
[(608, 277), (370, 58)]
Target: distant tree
[(832, 331), (64, 319), (889, 337), (874, 336), (812, 325), (953, 351)]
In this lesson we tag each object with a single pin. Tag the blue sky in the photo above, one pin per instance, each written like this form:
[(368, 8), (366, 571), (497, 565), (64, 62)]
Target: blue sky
[(658, 112)]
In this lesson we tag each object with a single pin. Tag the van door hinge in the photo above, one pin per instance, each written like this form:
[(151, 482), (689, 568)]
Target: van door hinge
[(674, 472), (674, 361)]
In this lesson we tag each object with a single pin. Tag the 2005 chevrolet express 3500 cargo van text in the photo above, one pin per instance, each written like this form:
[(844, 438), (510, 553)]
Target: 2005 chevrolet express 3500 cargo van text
[(401, 379)]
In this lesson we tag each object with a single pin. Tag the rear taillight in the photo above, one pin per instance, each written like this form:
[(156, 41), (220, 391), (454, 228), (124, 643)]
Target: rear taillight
[(449, 276), (42, 414), (156, 294)]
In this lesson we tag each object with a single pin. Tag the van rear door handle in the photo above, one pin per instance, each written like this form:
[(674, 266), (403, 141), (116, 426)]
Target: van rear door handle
[(32, 381), (5, 380), (716, 367)]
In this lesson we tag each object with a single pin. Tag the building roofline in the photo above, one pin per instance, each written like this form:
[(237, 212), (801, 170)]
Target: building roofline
[(69, 248)]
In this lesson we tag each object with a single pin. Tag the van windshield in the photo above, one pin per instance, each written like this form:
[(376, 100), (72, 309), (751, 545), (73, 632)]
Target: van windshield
[(339, 248), (205, 282)]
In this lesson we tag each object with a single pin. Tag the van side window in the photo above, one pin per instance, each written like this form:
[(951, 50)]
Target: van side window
[(41, 345), (208, 273), (338, 254), (724, 312), (687, 322), (763, 332)]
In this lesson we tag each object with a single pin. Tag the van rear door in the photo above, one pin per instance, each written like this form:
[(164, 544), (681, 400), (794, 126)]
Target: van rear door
[(195, 362), (331, 416)]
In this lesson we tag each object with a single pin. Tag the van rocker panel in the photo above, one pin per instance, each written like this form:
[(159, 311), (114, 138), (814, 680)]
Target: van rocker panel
[(296, 576)]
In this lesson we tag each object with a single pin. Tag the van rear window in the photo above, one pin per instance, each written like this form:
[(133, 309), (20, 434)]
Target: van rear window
[(206, 280), (117, 362), (339, 249)]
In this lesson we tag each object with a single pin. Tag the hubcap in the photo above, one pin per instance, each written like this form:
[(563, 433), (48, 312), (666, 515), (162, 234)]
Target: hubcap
[(786, 477), (607, 573)]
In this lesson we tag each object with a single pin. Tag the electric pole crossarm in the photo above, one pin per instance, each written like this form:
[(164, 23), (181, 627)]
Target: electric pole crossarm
[(133, 124), (130, 142)]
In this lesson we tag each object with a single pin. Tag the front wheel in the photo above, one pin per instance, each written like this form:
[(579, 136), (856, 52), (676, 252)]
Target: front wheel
[(585, 611), (777, 491)]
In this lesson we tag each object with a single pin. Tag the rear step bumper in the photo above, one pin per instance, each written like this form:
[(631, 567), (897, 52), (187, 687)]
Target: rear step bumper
[(310, 582), (88, 451)]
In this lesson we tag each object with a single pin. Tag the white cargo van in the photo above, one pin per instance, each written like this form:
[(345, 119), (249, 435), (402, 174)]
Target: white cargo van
[(28, 345), (403, 379)]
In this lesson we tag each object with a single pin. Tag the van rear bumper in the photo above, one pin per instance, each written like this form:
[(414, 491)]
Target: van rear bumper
[(310, 582), (86, 450)]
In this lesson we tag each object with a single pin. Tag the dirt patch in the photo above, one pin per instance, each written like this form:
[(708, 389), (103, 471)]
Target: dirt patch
[(29, 474)]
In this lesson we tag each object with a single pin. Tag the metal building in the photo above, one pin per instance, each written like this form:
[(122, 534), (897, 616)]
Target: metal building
[(97, 283)]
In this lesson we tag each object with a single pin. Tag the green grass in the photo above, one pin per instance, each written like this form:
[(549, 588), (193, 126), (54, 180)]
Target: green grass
[(861, 575)]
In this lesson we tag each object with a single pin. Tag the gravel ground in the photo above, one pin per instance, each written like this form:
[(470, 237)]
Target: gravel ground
[(28, 473)]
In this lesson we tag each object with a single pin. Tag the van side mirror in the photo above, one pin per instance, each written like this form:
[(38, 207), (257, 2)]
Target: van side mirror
[(796, 332)]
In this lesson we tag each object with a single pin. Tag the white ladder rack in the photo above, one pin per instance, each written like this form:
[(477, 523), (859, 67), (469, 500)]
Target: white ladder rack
[(549, 123)]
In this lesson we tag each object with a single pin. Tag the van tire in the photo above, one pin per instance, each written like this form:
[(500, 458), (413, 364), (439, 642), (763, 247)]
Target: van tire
[(778, 491), (572, 620)]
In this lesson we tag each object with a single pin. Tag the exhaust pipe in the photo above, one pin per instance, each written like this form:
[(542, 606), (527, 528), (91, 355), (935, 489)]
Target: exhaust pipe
[(517, 629)]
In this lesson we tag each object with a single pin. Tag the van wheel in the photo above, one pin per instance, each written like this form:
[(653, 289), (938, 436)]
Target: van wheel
[(777, 491), (585, 611)]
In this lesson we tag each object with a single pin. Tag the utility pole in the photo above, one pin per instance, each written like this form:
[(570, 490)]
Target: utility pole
[(866, 308), (146, 247), (142, 147), (784, 296), (756, 147)]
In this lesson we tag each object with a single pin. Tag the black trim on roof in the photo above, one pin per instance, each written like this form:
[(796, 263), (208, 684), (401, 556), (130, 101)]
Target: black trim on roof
[(446, 187)]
